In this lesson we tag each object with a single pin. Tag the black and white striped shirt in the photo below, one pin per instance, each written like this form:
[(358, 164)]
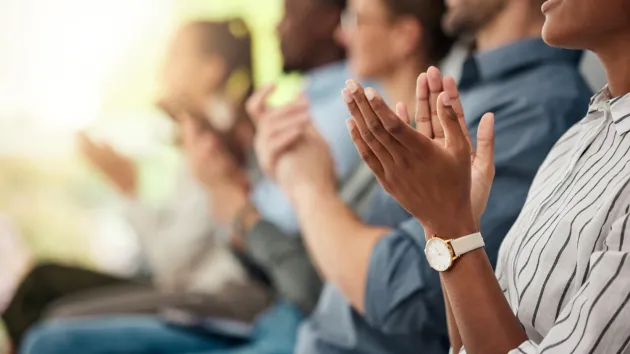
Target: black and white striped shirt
[(564, 265)]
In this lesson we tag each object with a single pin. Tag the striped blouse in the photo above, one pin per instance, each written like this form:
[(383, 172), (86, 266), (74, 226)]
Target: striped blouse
[(563, 266)]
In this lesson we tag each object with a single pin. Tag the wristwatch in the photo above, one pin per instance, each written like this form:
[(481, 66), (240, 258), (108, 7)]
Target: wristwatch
[(441, 254)]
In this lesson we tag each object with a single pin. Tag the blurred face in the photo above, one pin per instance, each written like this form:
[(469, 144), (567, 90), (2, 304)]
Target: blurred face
[(190, 75), (306, 24), (374, 41), (466, 17), (584, 24)]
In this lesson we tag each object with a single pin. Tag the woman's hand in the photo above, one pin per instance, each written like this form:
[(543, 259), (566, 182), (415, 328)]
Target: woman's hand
[(226, 182), (120, 170), (433, 170)]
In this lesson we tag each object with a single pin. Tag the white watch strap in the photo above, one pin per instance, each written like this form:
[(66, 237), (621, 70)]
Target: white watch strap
[(467, 243)]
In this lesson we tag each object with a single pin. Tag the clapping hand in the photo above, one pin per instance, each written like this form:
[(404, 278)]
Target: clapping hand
[(433, 171), (216, 170), (289, 148), (119, 169), (277, 129)]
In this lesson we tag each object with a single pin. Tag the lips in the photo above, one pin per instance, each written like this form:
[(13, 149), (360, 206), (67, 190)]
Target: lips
[(549, 5)]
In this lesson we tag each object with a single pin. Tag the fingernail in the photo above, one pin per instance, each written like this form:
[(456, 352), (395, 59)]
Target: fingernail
[(348, 124), (446, 100), (370, 93), (346, 96), (352, 86)]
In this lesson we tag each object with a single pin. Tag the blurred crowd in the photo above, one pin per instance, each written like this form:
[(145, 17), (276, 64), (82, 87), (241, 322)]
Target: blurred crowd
[(387, 208)]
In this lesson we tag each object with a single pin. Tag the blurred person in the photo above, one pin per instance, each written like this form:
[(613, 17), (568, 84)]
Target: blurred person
[(562, 278), (263, 225), (308, 46), (208, 68), (387, 298)]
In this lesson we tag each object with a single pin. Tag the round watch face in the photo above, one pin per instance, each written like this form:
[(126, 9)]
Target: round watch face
[(438, 254)]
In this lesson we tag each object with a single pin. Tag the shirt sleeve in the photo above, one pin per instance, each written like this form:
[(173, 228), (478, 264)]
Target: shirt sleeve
[(170, 237), (286, 261), (403, 294)]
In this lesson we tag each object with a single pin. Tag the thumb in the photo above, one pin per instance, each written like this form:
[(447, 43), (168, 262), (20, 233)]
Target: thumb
[(257, 103), (484, 156), (453, 132)]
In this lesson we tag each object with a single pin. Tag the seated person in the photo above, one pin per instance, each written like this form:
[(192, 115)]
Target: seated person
[(383, 295), (183, 245), (270, 242), (562, 277)]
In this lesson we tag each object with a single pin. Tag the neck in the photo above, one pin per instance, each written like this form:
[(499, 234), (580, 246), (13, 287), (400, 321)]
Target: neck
[(614, 54), (400, 85), (517, 21)]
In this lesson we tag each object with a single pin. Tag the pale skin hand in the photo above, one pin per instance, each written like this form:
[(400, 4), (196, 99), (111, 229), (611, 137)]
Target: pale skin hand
[(295, 155), (277, 129), (226, 183), (434, 173), (120, 170)]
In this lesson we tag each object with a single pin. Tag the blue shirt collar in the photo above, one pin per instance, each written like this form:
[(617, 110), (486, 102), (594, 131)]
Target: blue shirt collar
[(497, 63), (327, 78)]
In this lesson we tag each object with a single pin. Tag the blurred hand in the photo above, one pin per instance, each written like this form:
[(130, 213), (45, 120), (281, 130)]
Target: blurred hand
[(277, 129), (119, 169), (432, 171), (216, 170), (308, 166)]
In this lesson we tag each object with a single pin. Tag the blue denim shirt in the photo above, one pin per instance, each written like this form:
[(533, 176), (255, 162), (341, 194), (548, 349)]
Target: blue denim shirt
[(329, 114), (536, 93)]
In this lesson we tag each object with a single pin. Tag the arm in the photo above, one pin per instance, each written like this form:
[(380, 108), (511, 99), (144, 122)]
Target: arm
[(284, 259), (340, 244), (436, 175), (595, 320), (453, 331)]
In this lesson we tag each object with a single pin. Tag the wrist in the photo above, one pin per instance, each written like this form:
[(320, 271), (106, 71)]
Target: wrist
[(454, 228), (242, 223), (227, 202)]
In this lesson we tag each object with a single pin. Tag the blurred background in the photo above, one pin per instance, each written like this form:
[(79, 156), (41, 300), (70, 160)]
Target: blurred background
[(73, 65)]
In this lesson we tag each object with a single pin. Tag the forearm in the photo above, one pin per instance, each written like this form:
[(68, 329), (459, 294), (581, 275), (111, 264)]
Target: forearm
[(285, 260), (339, 243), (453, 332), (483, 316)]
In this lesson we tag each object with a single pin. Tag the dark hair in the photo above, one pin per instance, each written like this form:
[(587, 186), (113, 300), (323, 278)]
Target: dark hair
[(429, 13)]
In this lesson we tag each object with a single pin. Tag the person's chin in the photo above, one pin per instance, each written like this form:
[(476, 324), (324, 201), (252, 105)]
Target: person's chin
[(556, 36)]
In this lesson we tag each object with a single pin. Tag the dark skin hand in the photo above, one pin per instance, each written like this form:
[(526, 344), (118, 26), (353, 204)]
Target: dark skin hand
[(434, 172)]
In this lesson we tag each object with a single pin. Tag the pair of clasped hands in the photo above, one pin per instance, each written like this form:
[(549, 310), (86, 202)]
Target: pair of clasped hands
[(433, 171)]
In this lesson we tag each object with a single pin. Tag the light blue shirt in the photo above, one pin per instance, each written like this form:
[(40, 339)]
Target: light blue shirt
[(536, 93), (328, 113)]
